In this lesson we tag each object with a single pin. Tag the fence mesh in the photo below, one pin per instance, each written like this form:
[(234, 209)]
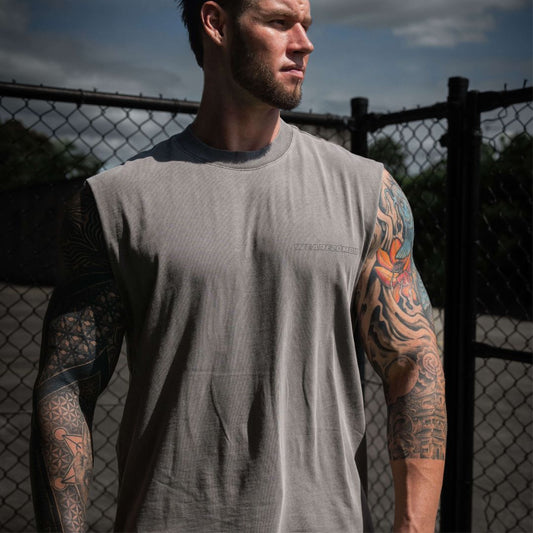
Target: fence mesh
[(503, 422), (41, 144)]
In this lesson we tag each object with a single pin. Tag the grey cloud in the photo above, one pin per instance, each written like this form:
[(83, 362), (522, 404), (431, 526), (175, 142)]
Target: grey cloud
[(53, 59), (422, 22), (13, 15), (446, 31)]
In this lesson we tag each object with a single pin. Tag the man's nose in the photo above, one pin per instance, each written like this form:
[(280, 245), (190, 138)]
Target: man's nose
[(300, 40)]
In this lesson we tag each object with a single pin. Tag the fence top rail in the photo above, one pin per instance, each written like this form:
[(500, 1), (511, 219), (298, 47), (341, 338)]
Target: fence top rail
[(149, 103), (80, 97), (490, 100), (375, 121)]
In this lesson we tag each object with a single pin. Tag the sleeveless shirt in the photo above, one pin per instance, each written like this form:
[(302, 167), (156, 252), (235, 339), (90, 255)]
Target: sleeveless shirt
[(237, 271)]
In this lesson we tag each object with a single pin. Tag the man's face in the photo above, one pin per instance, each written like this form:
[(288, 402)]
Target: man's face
[(270, 49)]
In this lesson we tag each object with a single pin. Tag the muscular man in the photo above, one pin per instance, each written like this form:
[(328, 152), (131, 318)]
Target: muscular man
[(236, 257)]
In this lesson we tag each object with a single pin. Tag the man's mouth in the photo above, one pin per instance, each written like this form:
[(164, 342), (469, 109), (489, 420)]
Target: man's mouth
[(295, 70)]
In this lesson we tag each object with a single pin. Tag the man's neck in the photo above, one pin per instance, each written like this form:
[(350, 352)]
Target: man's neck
[(229, 124)]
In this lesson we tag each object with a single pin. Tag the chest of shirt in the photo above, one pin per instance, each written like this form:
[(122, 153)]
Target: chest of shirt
[(216, 229)]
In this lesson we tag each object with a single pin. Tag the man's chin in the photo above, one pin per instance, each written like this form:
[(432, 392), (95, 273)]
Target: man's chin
[(285, 102), (274, 94)]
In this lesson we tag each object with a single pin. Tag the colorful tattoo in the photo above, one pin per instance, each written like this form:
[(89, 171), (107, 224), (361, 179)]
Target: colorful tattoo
[(396, 326)]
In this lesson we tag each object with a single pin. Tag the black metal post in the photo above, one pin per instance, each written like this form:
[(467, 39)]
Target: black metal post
[(359, 141), (459, 326), (473, 189)]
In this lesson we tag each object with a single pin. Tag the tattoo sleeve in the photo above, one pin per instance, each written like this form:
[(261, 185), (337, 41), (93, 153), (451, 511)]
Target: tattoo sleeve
[(396, 328), (82, 336)]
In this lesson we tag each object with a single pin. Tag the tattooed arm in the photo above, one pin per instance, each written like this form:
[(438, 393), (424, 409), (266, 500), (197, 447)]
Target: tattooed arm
[(82, 335), (396, 328)]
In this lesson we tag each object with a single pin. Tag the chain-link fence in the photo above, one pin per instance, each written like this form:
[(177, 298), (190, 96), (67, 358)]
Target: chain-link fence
[(44, 140), (503, 405)]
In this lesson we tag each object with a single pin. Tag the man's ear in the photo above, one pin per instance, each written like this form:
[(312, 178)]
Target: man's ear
[(214, 21)]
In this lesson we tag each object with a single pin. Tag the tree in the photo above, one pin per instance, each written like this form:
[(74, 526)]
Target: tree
[(391, 154), (28, 158), (505, 232)]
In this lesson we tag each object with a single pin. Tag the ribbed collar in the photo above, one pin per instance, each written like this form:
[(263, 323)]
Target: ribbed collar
[(243, 160)]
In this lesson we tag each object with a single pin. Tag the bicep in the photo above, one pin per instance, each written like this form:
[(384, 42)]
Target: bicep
[(392, 304), (396, 329), (393, 308)]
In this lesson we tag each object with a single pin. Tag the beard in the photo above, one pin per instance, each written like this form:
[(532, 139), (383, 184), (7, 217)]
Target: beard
[(253, 75)]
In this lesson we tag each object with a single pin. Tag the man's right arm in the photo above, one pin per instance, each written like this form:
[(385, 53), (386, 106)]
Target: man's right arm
[(82, 336)]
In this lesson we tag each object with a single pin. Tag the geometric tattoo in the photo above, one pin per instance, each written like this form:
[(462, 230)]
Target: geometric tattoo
[(76, 444), (82, 336)]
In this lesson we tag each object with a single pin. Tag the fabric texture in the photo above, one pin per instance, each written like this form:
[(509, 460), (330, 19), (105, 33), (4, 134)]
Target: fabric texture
[(237, 271)]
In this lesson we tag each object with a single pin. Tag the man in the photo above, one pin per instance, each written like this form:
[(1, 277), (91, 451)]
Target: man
[(235, 257)]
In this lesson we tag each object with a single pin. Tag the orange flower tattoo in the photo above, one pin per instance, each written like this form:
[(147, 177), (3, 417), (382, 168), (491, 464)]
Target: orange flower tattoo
[(396, 272)]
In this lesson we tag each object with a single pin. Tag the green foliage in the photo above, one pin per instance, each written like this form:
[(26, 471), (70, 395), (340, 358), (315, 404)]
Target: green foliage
[(28, 158), (505, 232), (389, 152), (505, 236)]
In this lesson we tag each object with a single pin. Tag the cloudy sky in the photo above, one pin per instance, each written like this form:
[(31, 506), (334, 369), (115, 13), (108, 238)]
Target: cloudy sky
[(398, 53)]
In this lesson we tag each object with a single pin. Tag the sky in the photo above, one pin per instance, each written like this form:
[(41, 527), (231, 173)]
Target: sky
[(397, 53)]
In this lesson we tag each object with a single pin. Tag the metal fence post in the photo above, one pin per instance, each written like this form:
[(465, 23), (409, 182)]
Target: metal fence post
[(359, 141), (459, 330)]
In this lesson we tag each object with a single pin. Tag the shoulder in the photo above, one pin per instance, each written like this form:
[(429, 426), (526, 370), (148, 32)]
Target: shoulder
[(142, 165), (394, 220), (393, 202), (334, 155), (82, 244)]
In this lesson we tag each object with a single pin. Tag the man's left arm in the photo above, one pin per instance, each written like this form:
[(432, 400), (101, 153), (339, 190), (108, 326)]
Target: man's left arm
[(396, 328)]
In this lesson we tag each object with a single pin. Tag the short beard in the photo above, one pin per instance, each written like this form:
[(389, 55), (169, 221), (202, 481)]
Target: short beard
[(257, 79)]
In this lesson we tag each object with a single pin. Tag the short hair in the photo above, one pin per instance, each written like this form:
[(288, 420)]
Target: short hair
[(190, 14)]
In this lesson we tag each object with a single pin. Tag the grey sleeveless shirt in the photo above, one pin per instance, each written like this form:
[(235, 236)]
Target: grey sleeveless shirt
[(238, 271)]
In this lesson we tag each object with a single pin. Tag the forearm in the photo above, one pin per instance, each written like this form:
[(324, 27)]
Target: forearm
[(61, 462), (417, 443), (417, 486)]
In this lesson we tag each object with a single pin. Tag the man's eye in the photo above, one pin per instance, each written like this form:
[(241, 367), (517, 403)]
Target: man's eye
[(279, 22)]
